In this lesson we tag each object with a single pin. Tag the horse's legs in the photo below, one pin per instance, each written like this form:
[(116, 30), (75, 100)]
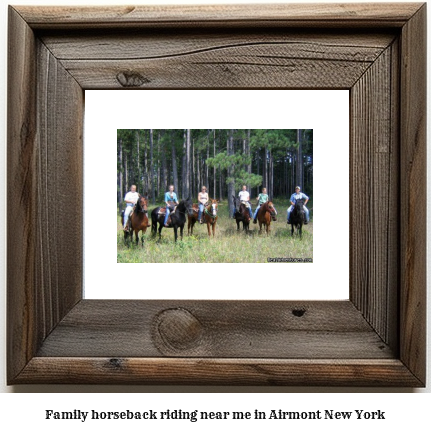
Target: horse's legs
[(292, 227), (181, 231), (214, 224), (176, 232), (209, 230), (237, 224)]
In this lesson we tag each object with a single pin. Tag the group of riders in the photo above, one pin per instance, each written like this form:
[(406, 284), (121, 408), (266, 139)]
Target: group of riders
[(171, 200)]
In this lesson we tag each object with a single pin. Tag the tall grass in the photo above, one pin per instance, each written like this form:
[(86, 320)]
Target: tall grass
[(228, 246)]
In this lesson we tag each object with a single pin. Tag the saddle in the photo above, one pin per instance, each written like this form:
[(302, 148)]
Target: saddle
[(246, 203), (162, 210)]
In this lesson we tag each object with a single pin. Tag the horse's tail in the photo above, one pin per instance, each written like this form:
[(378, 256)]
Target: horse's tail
[(154, 221)]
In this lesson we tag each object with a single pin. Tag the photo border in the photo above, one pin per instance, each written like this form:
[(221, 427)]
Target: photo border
[(376, 338)]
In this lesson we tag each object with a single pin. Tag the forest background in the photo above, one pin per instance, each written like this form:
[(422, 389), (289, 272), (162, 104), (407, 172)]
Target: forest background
[(221, 159)]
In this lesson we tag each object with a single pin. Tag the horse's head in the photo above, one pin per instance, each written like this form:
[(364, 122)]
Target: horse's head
[(299, 205), (213, 206), (272, 210), (188, 204), (235, 201), (142, 204)]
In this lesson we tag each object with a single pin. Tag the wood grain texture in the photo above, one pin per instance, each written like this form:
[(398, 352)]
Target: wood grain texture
[(59, 183), (205, 60), (300, 14), (197, 371), (413, 194), (377, 338), (374, 211), (21, 174), (241, 329), (45, 105)]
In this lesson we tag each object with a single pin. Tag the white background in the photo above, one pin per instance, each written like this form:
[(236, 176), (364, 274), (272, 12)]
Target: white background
[(26, 411), (323, 111)]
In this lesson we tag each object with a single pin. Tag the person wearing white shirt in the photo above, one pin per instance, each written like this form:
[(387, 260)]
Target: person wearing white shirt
[(131, 199), (244, 196)]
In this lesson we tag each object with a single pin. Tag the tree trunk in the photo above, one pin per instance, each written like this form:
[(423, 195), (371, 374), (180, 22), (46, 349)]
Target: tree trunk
[(138, 169), (214, 170), (174, 165), (257, 168), (183, 165), (145, 187), (126, 174), (221, 184), (120, 176), (151, 179), (248, 154), (188, 165), (164, 164), (299, 160), (158, 165), (231, 184), (193, 170), (207, 179), (271, 175)]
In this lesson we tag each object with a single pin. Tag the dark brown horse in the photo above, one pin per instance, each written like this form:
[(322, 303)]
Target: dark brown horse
[(241, 214), (138, 220), (210, 216), (297, 217), (177, 218), (192, 218), (264, 216)]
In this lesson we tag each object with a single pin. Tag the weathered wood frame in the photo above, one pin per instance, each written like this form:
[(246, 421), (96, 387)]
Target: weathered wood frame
[(376, 338)]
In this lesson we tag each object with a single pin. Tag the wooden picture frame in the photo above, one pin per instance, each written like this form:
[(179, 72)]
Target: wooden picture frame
[(376, 338)]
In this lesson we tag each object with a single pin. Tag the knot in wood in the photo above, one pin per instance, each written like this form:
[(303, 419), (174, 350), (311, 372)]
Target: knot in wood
[(178, 329), (131, 79)]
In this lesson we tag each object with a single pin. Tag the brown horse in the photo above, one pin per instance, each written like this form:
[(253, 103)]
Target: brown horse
[(210, 216), (241, 214), (191, 219), (138, 220), (264, 216)]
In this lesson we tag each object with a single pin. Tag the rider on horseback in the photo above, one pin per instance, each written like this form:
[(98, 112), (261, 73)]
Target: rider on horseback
[(244, 197), (170, 200), (296, 196), (202, 201), (131, 199), (261, 199)]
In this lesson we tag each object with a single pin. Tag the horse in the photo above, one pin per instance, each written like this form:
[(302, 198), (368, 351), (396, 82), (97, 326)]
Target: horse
[(191, 219), (138, 220), (210, 216), (242, 214), (178, 218), (264, 216), (297, 216)]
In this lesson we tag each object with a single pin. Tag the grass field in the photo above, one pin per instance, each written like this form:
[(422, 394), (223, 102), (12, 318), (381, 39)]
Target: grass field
[(228, 246)]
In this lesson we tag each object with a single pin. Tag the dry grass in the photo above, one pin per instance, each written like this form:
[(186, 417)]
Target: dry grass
[(228, 246)]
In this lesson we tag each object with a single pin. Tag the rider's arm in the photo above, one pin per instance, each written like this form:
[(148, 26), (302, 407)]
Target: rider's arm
[(127, 200)]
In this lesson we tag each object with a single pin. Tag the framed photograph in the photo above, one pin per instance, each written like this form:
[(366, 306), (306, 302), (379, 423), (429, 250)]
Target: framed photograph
[(376, 337)]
